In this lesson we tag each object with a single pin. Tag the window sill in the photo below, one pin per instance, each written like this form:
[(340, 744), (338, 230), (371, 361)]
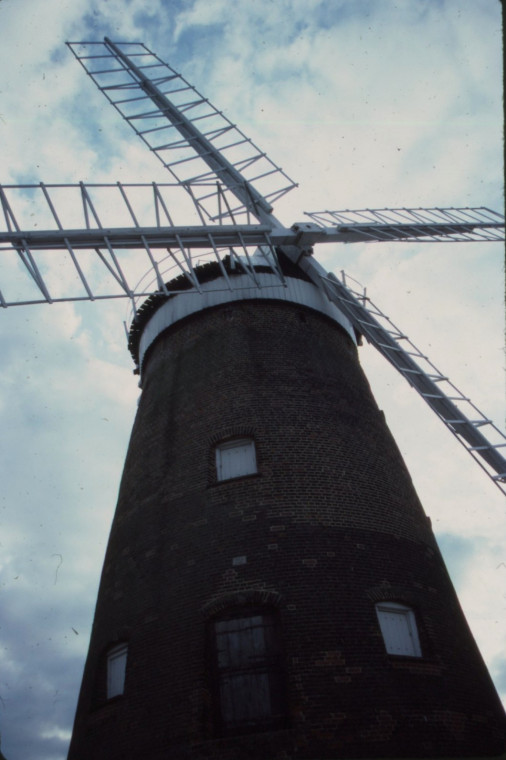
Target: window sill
[(414, 665), (238, 479), (102, 710), (273, 730)]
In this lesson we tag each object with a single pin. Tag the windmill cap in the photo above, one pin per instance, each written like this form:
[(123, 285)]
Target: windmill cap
[(161, 311)]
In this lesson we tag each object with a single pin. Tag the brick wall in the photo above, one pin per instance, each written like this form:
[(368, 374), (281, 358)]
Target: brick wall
[(329, 526)]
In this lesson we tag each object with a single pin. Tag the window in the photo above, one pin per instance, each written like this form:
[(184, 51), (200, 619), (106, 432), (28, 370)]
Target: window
[(235, 458), (116, 666), (398, 627), (249, 675)]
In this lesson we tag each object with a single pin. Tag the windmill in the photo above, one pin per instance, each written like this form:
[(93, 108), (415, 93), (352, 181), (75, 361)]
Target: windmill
[(230, 186)]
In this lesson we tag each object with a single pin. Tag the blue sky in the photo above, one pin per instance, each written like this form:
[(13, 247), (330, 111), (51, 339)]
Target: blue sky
[(364, 104)]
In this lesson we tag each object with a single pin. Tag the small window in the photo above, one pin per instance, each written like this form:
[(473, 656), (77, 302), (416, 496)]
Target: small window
[(398, 627), (235, 458), (116, 666), (249, 676)]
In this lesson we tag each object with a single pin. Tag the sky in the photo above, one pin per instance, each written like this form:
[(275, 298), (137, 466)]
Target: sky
[(364, 103)]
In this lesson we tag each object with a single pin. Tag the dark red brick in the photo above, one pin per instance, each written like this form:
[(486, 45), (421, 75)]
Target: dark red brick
[(333, 492)]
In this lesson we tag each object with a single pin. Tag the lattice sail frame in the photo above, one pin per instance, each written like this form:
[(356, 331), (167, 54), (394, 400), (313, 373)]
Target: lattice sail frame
[(113, 241), (460, 415), (426, 225), (124, 83)]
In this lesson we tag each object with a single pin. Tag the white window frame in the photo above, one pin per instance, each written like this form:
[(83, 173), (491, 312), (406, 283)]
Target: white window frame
[(229, 464), (116, 668), (399, 630)]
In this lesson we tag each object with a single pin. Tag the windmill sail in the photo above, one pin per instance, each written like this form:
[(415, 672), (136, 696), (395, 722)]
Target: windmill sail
[(425, 225), (91, 242), (443, 397), (194, 140)]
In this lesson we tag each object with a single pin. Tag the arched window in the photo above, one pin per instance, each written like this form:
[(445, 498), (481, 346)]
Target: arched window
[(248, 672), (235, 458), (398, 628), (116, 668)]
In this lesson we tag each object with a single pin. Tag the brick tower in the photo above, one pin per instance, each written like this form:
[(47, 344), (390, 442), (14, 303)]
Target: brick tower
[(272, 587)]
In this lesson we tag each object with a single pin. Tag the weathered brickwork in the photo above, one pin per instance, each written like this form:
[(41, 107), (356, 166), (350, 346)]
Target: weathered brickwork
[(329, 526)]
